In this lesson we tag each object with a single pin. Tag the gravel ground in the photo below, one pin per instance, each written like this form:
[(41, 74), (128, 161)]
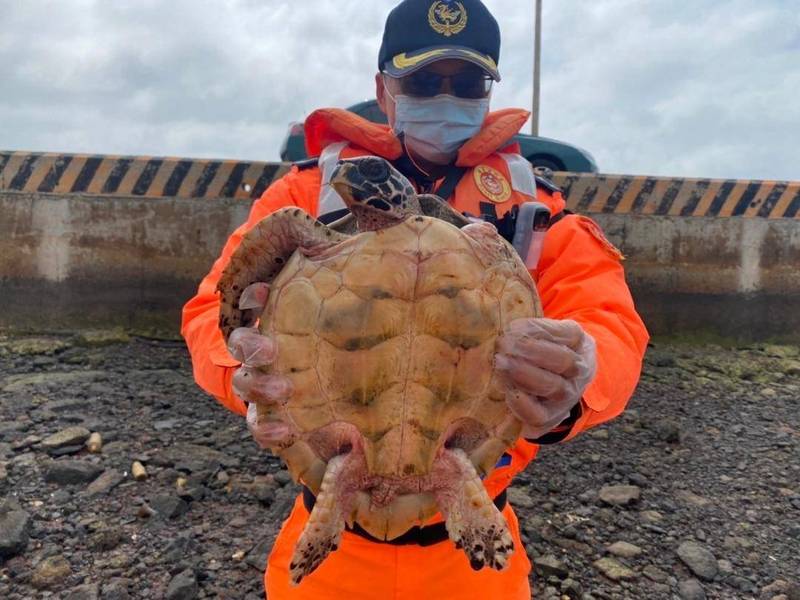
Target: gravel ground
[(693, 493)]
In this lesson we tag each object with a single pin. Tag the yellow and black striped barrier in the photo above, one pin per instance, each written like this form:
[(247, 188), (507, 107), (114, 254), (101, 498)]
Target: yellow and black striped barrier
[(679, 197), (149, 177), (155, 177)]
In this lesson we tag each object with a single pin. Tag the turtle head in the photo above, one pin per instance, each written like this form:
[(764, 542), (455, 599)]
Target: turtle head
[(376, 193)]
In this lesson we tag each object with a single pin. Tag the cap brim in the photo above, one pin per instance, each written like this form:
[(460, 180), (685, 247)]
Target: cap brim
[(408, 62)]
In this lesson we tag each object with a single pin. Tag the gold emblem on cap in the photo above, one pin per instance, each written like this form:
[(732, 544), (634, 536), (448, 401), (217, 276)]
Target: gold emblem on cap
[(447, 19), (492, 184)]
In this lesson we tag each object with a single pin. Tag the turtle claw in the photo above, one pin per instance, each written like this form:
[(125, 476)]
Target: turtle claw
[(254, 297), (473, 522)]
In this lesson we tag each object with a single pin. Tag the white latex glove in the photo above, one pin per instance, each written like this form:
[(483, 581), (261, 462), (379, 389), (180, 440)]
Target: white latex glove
[(547, 365), (254, 350)]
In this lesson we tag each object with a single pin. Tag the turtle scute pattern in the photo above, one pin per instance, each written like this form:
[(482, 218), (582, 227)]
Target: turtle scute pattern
[(393, 333)]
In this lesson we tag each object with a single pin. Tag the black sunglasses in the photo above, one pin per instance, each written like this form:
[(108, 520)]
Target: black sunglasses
[(466, 84)]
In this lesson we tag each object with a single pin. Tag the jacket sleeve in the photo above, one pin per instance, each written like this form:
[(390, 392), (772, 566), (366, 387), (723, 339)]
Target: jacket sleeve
[(581, 278), (213, 366)]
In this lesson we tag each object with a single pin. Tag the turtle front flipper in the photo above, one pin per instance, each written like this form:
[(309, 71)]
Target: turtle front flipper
[(434, 206), (333, 507), (473, 521), (261, 255)]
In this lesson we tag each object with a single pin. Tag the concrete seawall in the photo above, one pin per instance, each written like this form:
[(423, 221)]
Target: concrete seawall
[(77, 259)]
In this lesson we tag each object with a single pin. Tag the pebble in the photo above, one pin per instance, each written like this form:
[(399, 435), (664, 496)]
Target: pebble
[(71, 472), (550, 566), (183, 586), (699, 559), (115, 590), (690, 589), (668, 431), (653, 573), (651, 516), (520, 498), (51, 572), (624, 549), (89, 591), (15, 526), (620, 495), (106, 482), (283, 477), (613, 569), (71, 436), (168, 506)]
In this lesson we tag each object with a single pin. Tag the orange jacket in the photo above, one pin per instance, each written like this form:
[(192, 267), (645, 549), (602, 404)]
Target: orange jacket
[(579, 274)]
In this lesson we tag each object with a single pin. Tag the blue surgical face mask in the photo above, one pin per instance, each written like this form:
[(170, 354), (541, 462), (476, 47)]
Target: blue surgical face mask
[(435, 128)]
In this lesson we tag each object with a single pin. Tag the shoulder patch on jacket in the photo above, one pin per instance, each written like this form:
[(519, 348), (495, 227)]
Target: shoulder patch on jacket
[(547, 184), (308, 163), (597, 233)]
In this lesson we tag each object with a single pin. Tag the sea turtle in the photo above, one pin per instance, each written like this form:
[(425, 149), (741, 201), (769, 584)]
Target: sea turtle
[(388, 337)]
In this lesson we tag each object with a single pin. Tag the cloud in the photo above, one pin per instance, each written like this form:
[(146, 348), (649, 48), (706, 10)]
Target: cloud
[(706, 88)]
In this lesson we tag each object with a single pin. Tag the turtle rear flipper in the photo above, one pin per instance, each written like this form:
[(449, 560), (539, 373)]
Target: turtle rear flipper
[(262, 253), (333, 505), (473, 521)]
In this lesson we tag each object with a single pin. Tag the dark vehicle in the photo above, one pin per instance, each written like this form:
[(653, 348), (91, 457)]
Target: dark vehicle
[(540, 151)]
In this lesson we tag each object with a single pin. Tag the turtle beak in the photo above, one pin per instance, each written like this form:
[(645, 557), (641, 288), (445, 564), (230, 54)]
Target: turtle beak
[(345, 179)]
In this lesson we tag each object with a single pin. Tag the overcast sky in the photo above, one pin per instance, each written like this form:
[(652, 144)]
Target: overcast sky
[(706, 88)]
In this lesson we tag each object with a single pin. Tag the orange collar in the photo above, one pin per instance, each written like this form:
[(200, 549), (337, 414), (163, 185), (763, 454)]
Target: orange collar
[(330, 125)]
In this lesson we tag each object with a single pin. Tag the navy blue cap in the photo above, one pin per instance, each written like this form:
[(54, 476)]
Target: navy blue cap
[(419, 32)]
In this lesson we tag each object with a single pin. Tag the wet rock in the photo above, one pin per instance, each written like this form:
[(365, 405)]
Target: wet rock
[(692, 499), (168, 506), (624, 549), (193, 457), (115, 590), (71, 436), (283, 477), (26, 442), (257, 556), (699, 559), (520, 498), (65, 451), (89, 591), (655, 574), (620, 495), (571, 588), (690, 589), (550, 566), (613, 569), (183, 586), (21, 383), (264, 491), (106, 482), (667, 431), (71, 472), (51, 572), (106, 539), (102, 337), (781, 587), (15, 526)]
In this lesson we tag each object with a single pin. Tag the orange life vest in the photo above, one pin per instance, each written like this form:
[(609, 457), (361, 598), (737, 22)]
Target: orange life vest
[(496, 178)]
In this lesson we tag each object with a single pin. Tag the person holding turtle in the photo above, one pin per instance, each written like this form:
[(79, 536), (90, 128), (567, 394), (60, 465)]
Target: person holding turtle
[(571, 370)]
